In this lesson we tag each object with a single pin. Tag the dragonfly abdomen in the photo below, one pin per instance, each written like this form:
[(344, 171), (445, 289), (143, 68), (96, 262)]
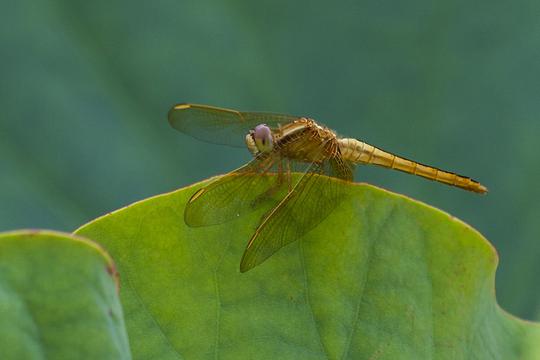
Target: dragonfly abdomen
[(360, 152)]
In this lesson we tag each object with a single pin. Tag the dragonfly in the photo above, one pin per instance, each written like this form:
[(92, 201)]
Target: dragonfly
[(297, 173)]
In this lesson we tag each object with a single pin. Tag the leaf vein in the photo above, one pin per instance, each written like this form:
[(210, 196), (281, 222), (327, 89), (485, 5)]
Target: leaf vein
[(308, 298), (369, 261)]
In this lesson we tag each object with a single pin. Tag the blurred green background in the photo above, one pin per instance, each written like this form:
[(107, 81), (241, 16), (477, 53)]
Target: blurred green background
[(85, 88)]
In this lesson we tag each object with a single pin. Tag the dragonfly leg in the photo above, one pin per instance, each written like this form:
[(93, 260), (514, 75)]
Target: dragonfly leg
[(288, 175), (265, 166), (280, 172), (272, 190)]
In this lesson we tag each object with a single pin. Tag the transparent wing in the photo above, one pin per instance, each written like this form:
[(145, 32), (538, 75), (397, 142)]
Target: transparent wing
[(312, 199), (239, 192), (221, 126)]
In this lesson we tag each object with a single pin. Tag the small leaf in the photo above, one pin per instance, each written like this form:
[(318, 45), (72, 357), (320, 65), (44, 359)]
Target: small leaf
[(383, 277), (58, 299)]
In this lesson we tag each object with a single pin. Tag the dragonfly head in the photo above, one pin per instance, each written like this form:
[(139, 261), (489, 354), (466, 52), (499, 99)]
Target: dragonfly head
[(260, 139)]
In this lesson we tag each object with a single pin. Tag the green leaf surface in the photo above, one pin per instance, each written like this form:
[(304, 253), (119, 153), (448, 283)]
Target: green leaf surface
[(383, 277), (58, 299)]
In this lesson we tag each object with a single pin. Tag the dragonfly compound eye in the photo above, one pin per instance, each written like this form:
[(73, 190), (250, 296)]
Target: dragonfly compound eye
[(263, 138)]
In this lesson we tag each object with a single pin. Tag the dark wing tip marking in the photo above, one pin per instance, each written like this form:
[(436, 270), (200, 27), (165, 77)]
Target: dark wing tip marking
[(244, 268), (173, 110), (196, 195), (245, 264), (182, 106)]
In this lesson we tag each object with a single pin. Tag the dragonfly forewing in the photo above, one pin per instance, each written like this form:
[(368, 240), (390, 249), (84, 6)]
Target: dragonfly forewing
[(221, 126)]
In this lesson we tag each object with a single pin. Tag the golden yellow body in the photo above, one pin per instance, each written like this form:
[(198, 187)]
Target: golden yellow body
[(354, 151)]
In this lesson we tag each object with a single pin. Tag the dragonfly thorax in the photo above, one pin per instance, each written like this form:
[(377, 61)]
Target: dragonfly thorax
[(304, 140)]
